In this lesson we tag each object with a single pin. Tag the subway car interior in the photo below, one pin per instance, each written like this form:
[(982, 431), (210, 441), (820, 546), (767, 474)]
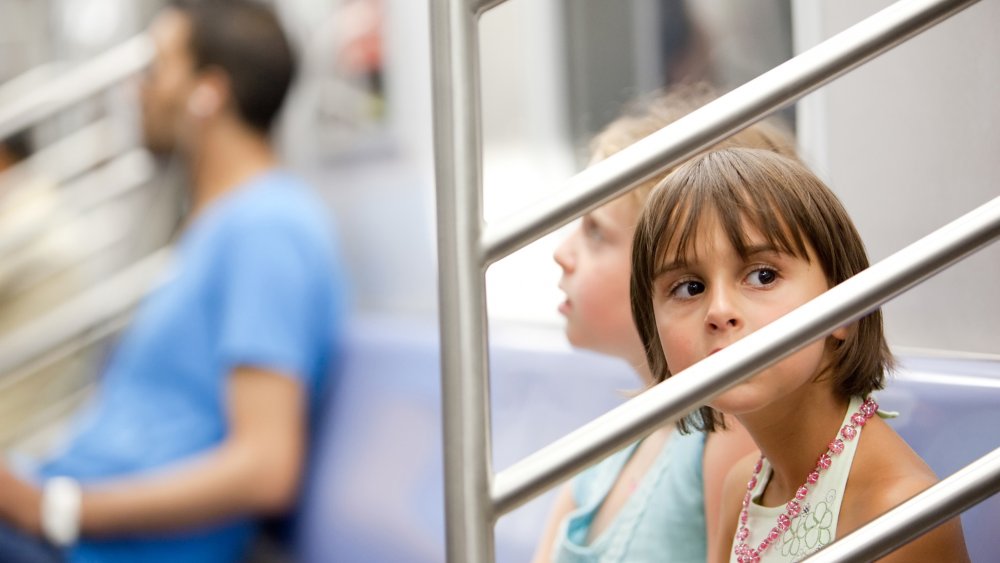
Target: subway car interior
[(451, 144)]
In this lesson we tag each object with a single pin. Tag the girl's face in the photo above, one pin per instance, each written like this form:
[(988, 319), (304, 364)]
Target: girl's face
[(717, 298), (596, 264)]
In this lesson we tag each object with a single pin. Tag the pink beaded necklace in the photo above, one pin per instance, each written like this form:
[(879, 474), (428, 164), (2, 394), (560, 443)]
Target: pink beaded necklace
[(746, 554)]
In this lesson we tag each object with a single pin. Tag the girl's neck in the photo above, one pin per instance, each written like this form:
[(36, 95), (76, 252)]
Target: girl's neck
[(792, 433)]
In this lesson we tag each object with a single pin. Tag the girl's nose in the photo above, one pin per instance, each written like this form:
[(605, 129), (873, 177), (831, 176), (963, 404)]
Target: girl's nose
[(723, 313)]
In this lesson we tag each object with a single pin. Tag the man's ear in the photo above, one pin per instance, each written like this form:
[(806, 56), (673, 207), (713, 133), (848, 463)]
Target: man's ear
[(209, 96)]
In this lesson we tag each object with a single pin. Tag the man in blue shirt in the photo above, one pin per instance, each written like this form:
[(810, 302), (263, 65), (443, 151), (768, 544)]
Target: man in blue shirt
[(201, 423)]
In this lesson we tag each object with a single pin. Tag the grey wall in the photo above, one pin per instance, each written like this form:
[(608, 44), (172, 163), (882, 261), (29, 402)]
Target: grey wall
[(909, 142)]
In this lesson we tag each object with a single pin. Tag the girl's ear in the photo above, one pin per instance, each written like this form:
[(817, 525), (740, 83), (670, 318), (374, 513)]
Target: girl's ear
[(841, 333)]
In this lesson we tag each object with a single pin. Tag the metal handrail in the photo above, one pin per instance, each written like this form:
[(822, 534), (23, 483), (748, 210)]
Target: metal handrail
[(83, 314), (90, 313), (117, 64), (466, 248), (718, 119), (103, 184), (961, 491)]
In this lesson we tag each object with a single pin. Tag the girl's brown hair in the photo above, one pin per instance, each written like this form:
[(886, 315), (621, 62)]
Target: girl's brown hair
[(793, 210)]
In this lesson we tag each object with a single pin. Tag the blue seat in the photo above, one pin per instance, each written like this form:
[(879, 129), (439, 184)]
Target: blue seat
[(376, 489)]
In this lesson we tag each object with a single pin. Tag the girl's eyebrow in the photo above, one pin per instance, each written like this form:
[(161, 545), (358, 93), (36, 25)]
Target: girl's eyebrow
[(765, 248), (670, 267), (753, 250)]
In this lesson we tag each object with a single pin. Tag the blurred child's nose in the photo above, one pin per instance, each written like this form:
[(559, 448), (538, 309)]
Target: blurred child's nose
[(565, 255)]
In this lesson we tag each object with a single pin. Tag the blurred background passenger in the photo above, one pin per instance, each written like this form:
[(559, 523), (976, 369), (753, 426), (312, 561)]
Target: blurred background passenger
[(201, 424), (14, 149), (38, 266)]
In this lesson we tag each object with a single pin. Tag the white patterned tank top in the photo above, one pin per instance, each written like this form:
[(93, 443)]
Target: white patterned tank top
[(816, 526)]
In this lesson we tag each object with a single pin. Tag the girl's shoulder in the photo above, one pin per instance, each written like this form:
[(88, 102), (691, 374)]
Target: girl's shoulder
[(886, 472)]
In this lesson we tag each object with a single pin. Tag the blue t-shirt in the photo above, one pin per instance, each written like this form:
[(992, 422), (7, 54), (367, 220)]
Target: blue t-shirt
[(255, 282), (663, 520)]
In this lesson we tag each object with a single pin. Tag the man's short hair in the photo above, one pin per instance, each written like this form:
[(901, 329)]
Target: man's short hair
[(245, 40)]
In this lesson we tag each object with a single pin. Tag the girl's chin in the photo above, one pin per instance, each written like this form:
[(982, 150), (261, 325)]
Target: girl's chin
[(736, 401)]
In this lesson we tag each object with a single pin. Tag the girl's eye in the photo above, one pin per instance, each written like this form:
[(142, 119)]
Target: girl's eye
[(687, 289), (762, 277)]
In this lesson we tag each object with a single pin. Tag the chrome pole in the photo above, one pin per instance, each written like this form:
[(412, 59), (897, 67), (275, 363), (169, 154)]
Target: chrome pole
[(741, 107), (464, 383), (961, 491), (696, 385)]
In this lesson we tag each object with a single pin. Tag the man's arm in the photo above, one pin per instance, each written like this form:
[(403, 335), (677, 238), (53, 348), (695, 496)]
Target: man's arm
[(255, 470)]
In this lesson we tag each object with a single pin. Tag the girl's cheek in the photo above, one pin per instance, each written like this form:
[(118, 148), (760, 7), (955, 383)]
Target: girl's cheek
[(676, 348)]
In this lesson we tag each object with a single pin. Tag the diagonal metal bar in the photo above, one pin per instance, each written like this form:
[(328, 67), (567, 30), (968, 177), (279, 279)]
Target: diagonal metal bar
[(103, 71), (959, 492), (741, 107), (480, 7), (691, 388)]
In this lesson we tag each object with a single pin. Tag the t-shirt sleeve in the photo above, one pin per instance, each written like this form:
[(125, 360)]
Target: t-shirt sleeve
[(268, 302)]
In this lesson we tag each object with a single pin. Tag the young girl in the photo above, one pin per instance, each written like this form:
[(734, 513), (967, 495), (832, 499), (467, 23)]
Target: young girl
[(731, 241), (657, 499)]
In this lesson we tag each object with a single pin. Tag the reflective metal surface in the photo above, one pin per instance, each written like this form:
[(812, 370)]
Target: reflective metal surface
[(103, 71)]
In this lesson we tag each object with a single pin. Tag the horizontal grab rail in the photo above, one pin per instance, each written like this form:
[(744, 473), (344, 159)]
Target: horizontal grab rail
[(105, 70), (693, 387), (704, 127), (98, 306), (961, 491)]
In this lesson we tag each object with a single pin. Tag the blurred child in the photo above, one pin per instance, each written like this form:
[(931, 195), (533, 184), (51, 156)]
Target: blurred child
[(728, 243), (677, 478)]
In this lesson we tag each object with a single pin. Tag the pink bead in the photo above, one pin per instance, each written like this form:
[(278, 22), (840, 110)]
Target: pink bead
[(759, 466), (870, 407), (859, 419), (743, 517), (754, 556), (848, 432), (836, 446), (824, 462), (793, 508), (774, 534), (802, 492), (746, 499), (763, 546), (784, 522), (812, 478), (743, 534)]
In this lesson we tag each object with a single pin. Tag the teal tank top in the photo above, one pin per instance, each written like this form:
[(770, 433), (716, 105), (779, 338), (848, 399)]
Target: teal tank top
[(663, 521)]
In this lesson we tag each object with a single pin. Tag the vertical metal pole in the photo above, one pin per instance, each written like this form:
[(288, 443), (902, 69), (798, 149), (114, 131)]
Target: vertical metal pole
[(469, 515)]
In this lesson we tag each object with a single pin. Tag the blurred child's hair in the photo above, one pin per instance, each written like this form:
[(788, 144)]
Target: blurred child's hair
[(778, 197), (646, 116)]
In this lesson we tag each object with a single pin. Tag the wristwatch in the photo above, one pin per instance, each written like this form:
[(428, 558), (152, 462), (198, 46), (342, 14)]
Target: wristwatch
[(61, 499)]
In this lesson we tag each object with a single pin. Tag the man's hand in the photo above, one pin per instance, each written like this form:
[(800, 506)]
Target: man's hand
[(20, 502)]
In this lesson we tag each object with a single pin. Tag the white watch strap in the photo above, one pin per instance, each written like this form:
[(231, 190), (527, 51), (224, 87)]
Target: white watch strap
[(61, 499)]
